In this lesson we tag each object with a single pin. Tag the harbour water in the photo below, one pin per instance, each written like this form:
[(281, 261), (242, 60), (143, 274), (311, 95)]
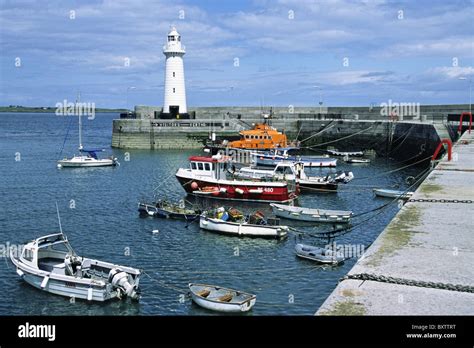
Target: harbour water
[(98, 209)]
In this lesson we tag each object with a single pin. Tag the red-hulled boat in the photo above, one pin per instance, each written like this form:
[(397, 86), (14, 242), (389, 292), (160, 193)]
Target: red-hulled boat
[(212, 177)]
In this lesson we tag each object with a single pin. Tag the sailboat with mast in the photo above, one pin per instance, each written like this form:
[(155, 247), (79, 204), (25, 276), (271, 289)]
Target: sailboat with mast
[(86, 157)]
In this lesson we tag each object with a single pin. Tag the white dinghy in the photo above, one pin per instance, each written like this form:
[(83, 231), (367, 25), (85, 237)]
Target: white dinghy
[(309, 214), (351, 160), (232, 222), (393, 193), (221, 299), (321, 255), (49, 263)]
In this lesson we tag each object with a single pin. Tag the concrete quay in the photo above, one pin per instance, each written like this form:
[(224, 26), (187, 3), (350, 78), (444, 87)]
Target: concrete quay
[(403, 138), (412, 139), (430, 242)]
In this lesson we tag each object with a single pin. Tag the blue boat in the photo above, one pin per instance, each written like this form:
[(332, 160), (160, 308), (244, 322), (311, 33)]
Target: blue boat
[(167, 210)]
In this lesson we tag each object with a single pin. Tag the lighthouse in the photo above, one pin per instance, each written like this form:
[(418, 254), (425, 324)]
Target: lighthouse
[(175, 94)]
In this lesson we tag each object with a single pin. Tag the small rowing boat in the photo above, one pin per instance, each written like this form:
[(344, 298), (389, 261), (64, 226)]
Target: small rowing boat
[(347, 159), (321, 255), (308, 214), (393, 193), (168, 210), (233, 222), (217, 298)]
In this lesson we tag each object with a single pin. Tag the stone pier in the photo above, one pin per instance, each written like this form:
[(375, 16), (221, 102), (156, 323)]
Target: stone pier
[(426, 253)]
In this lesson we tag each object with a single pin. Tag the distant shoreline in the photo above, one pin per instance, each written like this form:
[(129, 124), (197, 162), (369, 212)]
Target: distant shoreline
[(39, 109)]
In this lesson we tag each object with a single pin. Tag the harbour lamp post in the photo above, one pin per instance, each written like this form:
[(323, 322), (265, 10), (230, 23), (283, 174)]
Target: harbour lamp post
[(320, 98), (231, 89), (470, 89), (126, 100)]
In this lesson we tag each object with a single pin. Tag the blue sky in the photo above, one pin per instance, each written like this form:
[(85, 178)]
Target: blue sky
[(406, 51)]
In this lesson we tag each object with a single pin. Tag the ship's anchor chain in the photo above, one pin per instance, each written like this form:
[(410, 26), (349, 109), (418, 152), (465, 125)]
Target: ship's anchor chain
[(430, 200), (409, 282)]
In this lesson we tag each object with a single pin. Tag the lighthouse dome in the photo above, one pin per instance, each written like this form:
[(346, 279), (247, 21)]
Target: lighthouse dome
[(173, 35), (173, 32)]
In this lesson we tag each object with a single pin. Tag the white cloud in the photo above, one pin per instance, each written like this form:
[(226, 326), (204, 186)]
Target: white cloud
[(450, 47), (452, 72)]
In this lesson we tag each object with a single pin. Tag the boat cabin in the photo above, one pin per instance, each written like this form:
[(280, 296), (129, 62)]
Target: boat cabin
[(211, 167), (51, 253), (283, 169)]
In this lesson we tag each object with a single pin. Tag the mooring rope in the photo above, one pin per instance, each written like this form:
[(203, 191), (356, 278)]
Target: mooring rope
[(342, 231), (346, 137), (393, 170), (329, 126)]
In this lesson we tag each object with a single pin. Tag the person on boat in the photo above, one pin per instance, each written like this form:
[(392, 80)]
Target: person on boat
[(71, 262), (222, 214)]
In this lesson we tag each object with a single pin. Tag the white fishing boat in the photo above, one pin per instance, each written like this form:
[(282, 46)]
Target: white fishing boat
[(321, 255), (50, 264), (277, 155), (232, 222), (287, 170), (393, 193), (221, 299), (335, 152), (308, 214), (86, 157)]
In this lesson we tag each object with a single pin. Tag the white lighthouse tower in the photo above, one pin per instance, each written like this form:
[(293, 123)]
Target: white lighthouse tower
[(175, 93)]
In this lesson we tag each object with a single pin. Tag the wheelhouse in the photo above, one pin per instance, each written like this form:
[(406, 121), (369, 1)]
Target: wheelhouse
[(53, 246), (211, 167)]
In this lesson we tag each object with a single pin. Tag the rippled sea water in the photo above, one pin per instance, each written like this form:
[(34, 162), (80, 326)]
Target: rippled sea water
[(98, 209)]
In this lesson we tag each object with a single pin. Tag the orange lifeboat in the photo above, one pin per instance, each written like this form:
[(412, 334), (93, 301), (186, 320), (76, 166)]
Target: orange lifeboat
[(261, 137)]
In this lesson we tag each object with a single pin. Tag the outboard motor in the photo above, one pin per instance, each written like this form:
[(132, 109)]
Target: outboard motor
[(344, 177), (349, 177), (121, 280)]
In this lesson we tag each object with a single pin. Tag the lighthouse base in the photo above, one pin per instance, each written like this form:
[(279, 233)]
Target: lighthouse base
[(175, 116)]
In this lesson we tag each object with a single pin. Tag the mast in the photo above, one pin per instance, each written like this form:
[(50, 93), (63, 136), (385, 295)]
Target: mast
[(80, 122), (59, 218)]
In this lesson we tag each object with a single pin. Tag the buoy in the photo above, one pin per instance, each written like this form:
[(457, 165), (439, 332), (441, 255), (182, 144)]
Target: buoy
[(194, 185), (156, 231), (59, 166)]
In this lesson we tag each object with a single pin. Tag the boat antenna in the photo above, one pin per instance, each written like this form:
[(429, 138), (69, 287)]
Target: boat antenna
[(59, 218)]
